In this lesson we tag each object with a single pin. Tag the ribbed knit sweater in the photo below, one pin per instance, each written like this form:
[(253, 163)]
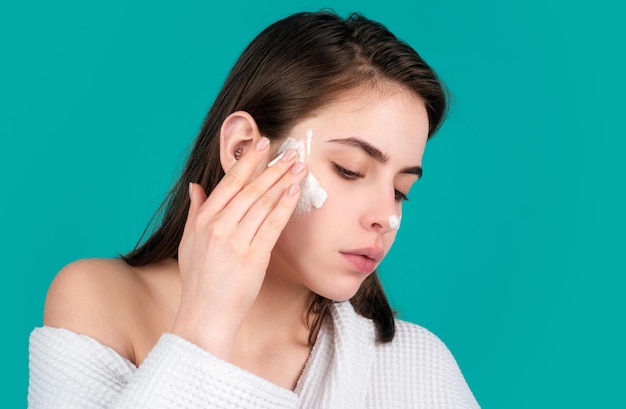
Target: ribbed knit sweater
[(346, 369)]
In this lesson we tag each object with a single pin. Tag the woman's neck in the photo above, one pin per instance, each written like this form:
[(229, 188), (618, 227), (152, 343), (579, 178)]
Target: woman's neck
[(273, 339), (278, 314)]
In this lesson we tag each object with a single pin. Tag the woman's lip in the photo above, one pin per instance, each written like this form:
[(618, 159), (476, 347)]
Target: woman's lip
[(361, 263), (374, 253)]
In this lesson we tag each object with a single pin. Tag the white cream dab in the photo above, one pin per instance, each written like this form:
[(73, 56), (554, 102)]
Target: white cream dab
[(394, 221), (309, 138), (290, 143), (312, 194)]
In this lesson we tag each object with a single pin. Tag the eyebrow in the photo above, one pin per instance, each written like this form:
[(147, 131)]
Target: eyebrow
[(375, 153)]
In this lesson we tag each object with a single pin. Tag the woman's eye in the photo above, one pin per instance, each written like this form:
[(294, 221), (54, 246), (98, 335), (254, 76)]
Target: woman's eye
[(347, 173), (401, 197), (351, 175)]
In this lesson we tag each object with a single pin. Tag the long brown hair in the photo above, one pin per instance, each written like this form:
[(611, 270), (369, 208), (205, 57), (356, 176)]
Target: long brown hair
[(293, 67)]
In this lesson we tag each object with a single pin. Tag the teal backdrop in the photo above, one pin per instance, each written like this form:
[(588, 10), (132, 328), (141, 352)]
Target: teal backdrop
[(512, 245)]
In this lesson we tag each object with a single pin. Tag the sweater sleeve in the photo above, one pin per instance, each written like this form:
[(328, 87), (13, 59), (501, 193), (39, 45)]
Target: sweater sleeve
[(68, 370)]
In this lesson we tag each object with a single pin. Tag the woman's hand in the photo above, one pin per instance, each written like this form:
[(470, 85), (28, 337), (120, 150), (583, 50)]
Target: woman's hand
[(226, 246)]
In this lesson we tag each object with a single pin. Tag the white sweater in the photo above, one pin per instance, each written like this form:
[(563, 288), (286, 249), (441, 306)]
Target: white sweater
[(346, 369)]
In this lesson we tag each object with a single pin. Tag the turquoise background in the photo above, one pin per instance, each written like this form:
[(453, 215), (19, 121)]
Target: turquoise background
[(512, 246)]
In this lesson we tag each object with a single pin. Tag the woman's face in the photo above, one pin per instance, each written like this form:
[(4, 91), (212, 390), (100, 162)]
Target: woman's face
[(366, 152)]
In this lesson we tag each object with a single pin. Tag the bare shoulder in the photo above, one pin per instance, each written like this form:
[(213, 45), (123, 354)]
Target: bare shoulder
[(98, 298)]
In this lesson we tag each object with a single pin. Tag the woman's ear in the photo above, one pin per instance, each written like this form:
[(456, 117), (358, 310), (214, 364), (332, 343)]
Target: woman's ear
[(239, 131)]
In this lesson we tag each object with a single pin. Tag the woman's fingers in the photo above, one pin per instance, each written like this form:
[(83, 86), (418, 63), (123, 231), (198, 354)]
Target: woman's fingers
[(237, 176), (197, 197), (280, 174), (267, 235), (264, 205)]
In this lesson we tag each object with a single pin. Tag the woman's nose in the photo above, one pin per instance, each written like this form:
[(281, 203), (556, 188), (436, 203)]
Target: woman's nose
[(382, 212)]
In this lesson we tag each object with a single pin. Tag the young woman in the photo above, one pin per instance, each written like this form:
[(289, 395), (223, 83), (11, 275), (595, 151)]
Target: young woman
[(264, 294)]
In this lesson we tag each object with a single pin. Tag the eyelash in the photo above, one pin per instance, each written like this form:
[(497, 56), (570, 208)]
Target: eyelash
[(351, 175), (346, 173)]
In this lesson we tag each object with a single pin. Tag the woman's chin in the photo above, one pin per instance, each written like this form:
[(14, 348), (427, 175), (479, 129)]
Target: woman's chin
[(338, 291)]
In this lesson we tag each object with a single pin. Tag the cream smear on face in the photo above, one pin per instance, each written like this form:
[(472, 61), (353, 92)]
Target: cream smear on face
[(394, 221), (312, 194)]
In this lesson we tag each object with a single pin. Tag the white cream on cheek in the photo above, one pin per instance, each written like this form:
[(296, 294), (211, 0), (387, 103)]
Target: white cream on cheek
[(394, 221), (309, 139), (312, 194)]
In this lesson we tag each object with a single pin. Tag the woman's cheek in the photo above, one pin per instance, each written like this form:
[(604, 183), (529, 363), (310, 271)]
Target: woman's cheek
[(330, 183)]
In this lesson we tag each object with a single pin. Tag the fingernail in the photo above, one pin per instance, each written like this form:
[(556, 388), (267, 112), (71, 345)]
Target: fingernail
[(262, 143), (297, 168), (190, 187), (289, 155), (293, 189)]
